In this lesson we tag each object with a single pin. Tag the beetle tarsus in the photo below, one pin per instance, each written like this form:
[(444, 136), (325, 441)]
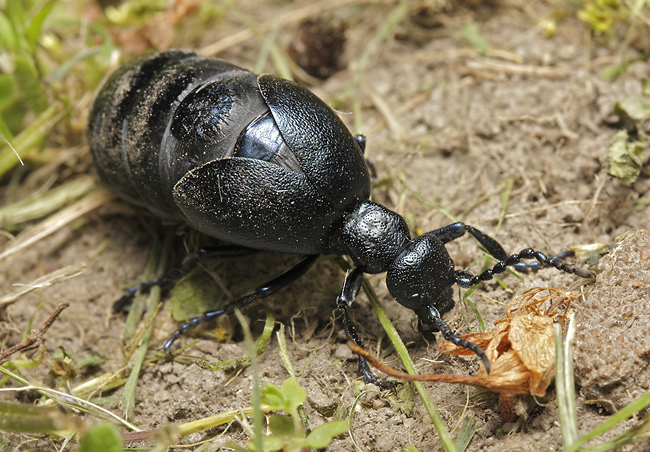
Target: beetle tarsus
[(430, 320), (165, 280), (185, 327), (534, 266), (369, 378)]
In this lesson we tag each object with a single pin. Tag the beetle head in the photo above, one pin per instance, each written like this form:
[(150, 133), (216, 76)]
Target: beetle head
[(422, 277)]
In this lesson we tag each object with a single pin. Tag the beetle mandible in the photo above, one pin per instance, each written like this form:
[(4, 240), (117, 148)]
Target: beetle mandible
[(263, 164)]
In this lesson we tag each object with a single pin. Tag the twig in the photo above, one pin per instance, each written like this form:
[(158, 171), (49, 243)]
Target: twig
[(35, 338), (521, 69)]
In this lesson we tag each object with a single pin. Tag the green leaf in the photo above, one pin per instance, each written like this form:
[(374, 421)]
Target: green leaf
[(625, 157), (410, 448), (466, 434), (633, 106), (322, 435), (287, 399), (281, 426), (23, 417), (8, 35), (271, 443), (29, 84), (33, 32), (294, 393), (104, 437), (5, 134), (7, 90), (194, 294), (473, 36), (16, 16), (272, 396)]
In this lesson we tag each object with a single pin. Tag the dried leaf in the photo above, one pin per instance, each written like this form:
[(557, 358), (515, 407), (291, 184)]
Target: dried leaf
[(521, 349)]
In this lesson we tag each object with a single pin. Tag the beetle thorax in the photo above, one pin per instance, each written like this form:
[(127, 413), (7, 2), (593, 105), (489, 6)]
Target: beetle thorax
[(374, 236)]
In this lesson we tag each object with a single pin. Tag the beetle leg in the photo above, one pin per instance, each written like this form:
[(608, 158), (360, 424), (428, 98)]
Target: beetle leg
[(527, 267), (456, 230), (164, 280), (192, 259), (349, 292), (361, 141), (262, 291), (215, 252), (431, 318)]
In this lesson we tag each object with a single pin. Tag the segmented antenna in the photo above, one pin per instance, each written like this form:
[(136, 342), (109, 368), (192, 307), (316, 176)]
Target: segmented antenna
[(466, 279)]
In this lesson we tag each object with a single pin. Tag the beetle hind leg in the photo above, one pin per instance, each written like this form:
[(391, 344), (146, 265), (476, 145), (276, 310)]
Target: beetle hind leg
[(190, 261), (262, 291), (124, 303)]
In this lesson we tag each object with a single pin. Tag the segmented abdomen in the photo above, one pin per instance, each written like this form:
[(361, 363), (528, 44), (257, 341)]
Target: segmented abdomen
[(158, 117)]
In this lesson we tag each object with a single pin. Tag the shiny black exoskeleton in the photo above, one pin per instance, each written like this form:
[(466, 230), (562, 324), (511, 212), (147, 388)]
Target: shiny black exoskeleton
[(263, 164)]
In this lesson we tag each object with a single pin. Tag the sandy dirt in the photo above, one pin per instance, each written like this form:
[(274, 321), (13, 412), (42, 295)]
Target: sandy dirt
[(459, 126)]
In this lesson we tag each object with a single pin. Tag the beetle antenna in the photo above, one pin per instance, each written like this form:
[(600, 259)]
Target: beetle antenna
[(466, 279)]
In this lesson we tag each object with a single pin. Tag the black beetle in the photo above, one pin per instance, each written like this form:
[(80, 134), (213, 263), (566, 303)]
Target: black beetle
[(263, 164)]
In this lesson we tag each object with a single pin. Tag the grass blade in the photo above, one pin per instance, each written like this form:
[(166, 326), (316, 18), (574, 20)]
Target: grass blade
[(564, 385), (128, 399)]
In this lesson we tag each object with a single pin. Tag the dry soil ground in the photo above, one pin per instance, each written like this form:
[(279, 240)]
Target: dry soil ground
[(456, 125)]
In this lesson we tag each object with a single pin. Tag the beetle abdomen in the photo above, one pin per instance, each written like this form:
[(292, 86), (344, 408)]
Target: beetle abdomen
[(253, 160), (157, 118)]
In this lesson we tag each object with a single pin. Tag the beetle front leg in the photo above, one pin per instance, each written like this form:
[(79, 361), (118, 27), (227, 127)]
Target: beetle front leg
[(430, 317), (262, 291), (349, 292)]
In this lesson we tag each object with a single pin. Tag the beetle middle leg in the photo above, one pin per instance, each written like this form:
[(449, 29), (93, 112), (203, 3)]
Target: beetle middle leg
[(262, 291), (349, 292)]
